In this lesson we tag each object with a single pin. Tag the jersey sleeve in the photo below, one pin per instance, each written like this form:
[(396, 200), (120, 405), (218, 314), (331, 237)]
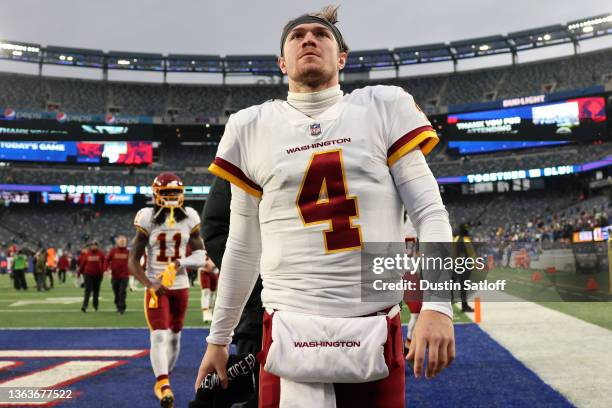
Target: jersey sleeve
[(142, 221), (194, 220), (409, 128), (230, 161)]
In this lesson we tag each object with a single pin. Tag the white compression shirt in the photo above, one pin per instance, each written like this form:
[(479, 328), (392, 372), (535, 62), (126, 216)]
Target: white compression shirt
[(421, 198), (315, 103)]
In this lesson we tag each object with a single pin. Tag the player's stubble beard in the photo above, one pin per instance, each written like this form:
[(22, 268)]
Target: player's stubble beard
[(314, 77)]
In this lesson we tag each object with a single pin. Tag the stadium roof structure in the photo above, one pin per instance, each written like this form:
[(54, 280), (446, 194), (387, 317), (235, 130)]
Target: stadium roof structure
[(135, 61), (194, 63), (423, 54), (73, 56), (251, 64), (358, 61)]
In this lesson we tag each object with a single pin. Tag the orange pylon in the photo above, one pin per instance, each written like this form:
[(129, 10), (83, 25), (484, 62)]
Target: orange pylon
[(536, 276), (477, 311), (592, 284)]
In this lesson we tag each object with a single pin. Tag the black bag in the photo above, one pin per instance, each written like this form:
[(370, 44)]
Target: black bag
[(241, 386)]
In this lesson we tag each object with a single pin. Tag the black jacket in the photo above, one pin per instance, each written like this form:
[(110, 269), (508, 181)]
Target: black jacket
[(215, 221)]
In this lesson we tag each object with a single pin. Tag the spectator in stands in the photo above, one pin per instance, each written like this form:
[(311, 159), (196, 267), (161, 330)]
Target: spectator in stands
[(92, 269), (40, 269), (62, 266), (117, 262), (20, 263)]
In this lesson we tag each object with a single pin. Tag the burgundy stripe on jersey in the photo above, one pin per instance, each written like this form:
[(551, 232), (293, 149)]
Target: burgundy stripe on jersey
[(407, 138), (236, 172)]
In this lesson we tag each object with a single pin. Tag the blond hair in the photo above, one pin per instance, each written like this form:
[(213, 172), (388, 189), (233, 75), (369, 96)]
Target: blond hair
[(329, 13)]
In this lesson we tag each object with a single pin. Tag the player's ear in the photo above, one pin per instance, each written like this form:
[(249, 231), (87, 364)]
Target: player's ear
[(342, 56), (280, 61)]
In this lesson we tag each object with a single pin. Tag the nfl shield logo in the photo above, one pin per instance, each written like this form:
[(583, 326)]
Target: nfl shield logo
[(315, 129)]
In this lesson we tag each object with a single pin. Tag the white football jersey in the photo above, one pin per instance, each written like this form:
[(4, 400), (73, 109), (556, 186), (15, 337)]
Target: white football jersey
[(166, 244), (325, 189)]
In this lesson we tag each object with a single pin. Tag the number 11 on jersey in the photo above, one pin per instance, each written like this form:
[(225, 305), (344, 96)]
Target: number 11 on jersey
[(323, 198)]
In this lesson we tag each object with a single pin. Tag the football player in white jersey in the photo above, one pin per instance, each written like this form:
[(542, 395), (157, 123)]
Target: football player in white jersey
[(209, 277), (412, 298), (313, 179), (163, 233)]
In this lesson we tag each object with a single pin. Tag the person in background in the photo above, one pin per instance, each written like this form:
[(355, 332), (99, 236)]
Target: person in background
[(209, 277), (39, 270), (51, 265), (20, 263), (463, 248), (92, 268), (62, 266), (11, 251), (117, 262), (78, 281), (3, 263)]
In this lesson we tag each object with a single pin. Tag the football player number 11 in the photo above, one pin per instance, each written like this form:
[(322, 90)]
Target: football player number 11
[(323, 198), (162, 247)]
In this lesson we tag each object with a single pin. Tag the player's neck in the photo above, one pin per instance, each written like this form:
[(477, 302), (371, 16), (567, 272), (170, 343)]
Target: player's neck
[(315, 103)]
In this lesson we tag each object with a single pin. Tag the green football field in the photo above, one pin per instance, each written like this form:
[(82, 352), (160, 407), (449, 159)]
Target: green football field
[(564, 292), (61, 307)]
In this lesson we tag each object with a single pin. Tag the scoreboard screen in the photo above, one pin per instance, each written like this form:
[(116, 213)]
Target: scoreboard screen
[(127, 153), (570, 119)]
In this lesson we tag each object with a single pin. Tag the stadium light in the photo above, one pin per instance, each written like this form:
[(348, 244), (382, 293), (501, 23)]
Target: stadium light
[(484, 47), (546, 37), (587, 29), (601, 20), (19, 47), (17, 53), (123, 62)]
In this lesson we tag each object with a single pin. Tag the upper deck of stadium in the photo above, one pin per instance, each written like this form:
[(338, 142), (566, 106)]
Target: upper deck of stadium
[(171, 102)]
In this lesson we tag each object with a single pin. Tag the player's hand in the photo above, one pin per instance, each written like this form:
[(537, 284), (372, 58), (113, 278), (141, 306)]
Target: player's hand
[(158, 288), (214, 360), (433, 331)]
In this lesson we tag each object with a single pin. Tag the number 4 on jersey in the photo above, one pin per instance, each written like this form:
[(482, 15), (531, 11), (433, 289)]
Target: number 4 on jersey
[(323, 198)]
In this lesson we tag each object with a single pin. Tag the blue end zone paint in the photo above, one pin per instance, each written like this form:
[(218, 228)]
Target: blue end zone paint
[(484, 373)]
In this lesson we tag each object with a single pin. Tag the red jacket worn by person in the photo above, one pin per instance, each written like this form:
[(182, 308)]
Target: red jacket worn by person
[(92, 263), (117, 261), (63, 263)]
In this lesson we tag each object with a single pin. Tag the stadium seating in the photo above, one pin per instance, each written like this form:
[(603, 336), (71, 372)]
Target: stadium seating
[(527, 215), (67, 229), (76, 176), (528, 159), (202, 103)]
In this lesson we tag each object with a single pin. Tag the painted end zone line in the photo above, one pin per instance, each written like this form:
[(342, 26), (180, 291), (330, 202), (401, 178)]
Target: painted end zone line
[(72, 353), (59, 375), (5, 365)]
